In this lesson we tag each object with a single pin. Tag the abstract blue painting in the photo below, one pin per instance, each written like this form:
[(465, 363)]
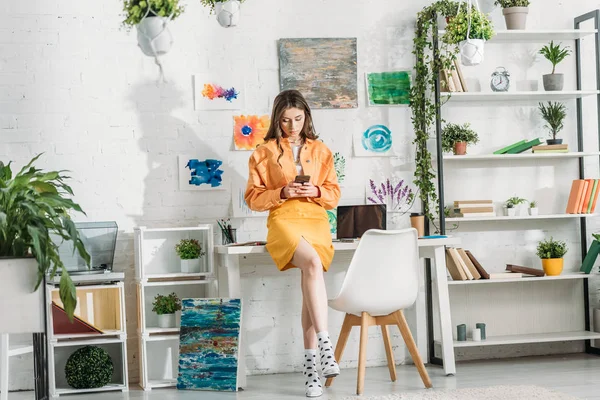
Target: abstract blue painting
[(376, 140), (197, 173), (208, 344)]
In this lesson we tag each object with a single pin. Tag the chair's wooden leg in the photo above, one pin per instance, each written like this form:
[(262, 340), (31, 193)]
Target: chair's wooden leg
[(412, 348), (388, 352), (362, 352), (341, 344)]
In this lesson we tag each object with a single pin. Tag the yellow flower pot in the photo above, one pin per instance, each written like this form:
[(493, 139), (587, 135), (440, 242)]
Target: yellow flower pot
[(552, 266)]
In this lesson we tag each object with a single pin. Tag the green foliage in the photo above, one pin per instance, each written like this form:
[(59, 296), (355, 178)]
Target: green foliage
[(458, 26), (554, 115), (454, 133), (551, 248), (89, 367), (189, 249), (339, 163), (166, 304), (211, 3), (34, 210), (135, 10), (555, 54), (512, 3), (514, 201), (532, 204)]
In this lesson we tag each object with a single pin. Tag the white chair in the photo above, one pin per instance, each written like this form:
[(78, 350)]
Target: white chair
[(5, 353), (381, 281)]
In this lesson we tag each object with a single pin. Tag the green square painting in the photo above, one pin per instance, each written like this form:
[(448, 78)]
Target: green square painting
[(388, 88)]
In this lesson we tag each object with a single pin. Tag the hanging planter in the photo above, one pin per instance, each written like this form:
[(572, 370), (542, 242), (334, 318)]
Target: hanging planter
[(154, 38), (227, 11), (469, 29)]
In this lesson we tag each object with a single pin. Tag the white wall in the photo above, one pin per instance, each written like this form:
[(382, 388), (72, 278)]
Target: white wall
[(74, 85)]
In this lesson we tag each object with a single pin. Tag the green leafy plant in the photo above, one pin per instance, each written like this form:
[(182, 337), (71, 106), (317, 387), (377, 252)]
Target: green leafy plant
[(512, 3), (554, 115), (532, 204), (135, 10), (339, 163), (458, 26), (454, 133), (211, 3), (189, 249), (166, 304), (89, 367), (514, 201), (551, 248), (34, 211), (555, 53)]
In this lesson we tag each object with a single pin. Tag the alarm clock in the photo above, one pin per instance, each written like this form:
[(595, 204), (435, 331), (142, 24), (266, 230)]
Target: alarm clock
[(500, 81)]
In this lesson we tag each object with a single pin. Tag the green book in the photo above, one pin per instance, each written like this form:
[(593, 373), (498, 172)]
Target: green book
[(591, 200), (507, 148), (590, 258), (525, 146)]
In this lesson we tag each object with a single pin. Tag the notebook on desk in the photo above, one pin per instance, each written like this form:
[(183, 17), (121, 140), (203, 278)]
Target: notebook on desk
[(354, 221)]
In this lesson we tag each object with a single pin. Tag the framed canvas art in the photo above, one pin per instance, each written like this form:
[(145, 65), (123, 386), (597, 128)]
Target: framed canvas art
[(388, 88)]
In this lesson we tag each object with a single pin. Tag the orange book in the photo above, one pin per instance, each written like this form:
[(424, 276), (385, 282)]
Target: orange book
[(577, 188), (595, 198), (586, 196)]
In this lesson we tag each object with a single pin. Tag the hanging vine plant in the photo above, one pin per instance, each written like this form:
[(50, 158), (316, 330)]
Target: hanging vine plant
[(423, 106)]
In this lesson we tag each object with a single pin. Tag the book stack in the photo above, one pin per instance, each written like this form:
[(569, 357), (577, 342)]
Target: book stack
[(551, 148), (463, 266), (474, 208), (453, 80), (583, 196), (519, 147)]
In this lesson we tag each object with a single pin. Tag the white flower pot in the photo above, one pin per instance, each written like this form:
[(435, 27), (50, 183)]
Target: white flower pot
[(533, 211), (511, 212), (166, 320), (471, 51), (190, 266), (153, 32), (228, 13), (515, 17)]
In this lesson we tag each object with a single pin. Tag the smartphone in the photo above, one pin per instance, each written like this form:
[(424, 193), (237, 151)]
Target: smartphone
[(302, 179)]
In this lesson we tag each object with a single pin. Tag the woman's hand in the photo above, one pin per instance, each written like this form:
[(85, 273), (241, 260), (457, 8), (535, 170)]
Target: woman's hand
[(295, 190)]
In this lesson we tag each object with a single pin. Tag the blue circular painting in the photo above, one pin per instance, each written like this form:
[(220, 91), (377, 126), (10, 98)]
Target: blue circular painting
[(377, 138)]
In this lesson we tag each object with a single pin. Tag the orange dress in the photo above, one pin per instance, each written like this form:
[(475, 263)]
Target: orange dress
[(292, 219)]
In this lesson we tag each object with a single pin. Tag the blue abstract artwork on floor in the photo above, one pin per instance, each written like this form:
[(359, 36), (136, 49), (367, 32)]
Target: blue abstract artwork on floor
[(205, 172), (208, 344)]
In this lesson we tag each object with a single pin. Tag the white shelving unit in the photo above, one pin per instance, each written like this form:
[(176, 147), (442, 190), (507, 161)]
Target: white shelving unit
[(521, 156), (158, 271), (525, 279), (542, 36), (516, 96), (519, 217), (101, 303), (530, 338)]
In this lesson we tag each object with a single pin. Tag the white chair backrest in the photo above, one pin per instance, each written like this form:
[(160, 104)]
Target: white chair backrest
[(382, 276)]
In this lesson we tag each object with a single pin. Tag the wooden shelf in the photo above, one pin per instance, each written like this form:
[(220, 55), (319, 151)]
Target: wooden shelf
[(522, 156), (519, 218), (516, 96), (516, 36), (565, 276), (530, 338)]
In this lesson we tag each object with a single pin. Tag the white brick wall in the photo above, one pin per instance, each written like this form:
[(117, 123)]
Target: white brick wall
[(74, 85)]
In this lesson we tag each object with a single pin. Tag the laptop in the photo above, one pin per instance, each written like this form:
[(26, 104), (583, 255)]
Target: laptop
[(354, 221)]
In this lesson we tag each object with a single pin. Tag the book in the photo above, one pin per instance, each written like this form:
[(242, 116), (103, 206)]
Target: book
[(590, 257), (449, 81), (525, 270), (550, 151), (467, 261), (455, 272), (551, 147), (525, 146), (580, 199), (595, 190), (467, 210), (462, 206), (467, 202), (585, 201), (461, 264), (475, 214), (477, 266), (577, 188), (454, 75), (463, 82), (505, 275), (505, 149)]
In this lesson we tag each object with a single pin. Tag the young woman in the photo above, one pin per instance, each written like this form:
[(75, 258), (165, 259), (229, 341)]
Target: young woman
[(298, 227)]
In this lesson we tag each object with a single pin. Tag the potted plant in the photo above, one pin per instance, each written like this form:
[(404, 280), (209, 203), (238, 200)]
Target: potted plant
[(34, 212), (554, 115), (165, 307), (469, 30), (533, 210), (511, 205), (227, 11), (515, 12), (150, 17), (554, 54), (189, 251), (456, 137), (551, 253)]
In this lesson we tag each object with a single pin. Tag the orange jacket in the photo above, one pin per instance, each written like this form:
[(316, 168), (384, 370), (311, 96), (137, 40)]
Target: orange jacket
[(266, 177)]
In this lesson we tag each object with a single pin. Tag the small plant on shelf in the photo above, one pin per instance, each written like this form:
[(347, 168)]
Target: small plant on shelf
[(554, 114), (189, 249), (551, 252), (533, 209), (515, 13), (555, 54), (165, 307), (511, 205), (456, 137)]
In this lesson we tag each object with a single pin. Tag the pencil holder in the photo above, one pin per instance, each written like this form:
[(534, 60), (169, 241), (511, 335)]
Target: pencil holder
[(228, 236)]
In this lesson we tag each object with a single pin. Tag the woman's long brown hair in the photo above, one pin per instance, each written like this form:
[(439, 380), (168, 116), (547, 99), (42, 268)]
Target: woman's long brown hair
[(284, 101)]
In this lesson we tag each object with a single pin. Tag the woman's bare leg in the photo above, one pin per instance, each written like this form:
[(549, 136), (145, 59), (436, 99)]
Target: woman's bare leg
[(310, 336)]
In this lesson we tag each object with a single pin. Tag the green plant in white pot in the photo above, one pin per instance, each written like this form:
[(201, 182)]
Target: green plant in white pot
[(34, 211), (555, 54), (227, 11), (533, 208), (515, 13), (469, 30), (190, 252), (554, 113), (166, 307), (511, 205)]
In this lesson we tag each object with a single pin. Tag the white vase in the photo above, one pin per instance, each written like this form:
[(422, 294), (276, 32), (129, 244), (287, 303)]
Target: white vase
[(190, 266), (471, 51), (153, 32), (511, 212), (228, 13), (166, 320), (533, 211)]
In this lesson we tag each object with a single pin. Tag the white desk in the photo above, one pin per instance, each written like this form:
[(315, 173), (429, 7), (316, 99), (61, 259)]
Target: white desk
[(434, 249)]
